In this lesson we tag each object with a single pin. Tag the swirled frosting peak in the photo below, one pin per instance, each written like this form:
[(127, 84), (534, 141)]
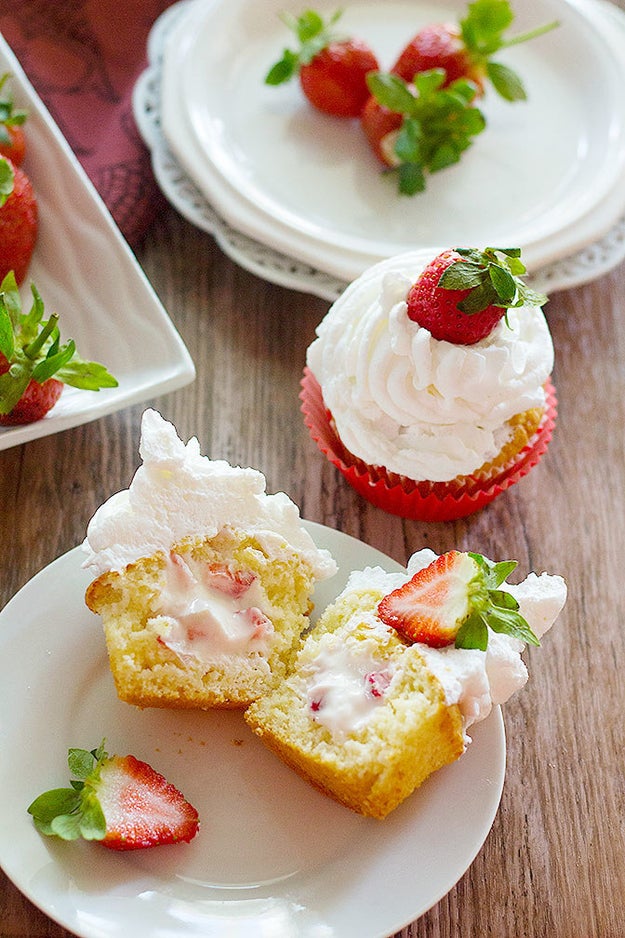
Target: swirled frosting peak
[(421, 407), (179, 493)]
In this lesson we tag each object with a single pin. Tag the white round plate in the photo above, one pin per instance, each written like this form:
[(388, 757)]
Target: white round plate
[(306, 184), (273, 855)]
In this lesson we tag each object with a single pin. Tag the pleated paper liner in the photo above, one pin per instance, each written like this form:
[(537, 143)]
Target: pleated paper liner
[(421, 501)]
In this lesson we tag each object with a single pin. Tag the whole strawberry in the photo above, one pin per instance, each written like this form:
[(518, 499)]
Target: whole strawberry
[(332, 72), (12, 140), (455, 601), (463, 293), (18, 220), (117, 800), (465, 50), (34, 365)]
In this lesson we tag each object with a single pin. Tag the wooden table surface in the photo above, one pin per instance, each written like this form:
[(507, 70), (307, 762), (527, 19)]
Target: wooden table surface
[(554, 862)]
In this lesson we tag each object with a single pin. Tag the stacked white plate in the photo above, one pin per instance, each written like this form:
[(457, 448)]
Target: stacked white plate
[(547, 175)]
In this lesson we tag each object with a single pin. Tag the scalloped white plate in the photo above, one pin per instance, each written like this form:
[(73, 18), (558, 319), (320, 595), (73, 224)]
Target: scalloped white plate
[(273, 856), (306, 185), (594, 259), (86, 272)]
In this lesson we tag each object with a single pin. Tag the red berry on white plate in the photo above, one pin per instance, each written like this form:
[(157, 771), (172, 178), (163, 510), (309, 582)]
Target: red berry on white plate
[(118, 801)]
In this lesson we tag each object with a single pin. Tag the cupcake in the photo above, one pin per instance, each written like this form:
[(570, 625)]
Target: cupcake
[(428, 384)]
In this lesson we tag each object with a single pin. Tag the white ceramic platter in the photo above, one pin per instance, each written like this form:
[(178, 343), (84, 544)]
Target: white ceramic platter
[(547, 175), (273, 856), (86, 273)]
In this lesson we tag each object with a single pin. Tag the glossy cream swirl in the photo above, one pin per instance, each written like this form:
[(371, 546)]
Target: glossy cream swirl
[(421, 407)]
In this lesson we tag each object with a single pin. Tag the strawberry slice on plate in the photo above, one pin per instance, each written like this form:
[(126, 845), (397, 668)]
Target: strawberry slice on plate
[(454, 601), (34, 365), (119, 801), (332, 72), (463, 293)]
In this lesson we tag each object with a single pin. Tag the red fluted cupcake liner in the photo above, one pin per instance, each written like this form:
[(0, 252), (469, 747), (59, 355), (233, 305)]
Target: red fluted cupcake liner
[(420, 501)]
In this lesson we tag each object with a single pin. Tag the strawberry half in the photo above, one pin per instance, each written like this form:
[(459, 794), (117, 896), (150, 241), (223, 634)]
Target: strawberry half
[(117, 800), (332, 72), (18, 220), (463, 293), (465, 50), (12, 140), (34, 365), (455, 600)]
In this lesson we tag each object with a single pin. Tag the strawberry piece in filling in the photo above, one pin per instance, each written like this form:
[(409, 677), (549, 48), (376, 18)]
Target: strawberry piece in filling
[(211, 610)]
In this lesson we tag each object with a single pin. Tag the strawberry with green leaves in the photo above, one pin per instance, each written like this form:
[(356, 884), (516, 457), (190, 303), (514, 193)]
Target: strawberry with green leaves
[(332, 71), (12, 140), (463, 293), (34, 365), (455, 601), (420, 128), (117, 800), (465, 50), (19, 220)]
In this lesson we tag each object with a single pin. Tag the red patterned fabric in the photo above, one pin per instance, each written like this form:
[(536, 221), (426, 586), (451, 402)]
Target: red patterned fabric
[(83, 58)]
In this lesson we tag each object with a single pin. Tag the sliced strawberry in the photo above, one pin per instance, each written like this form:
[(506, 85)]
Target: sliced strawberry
[(117, 800), (141, 808), (332, 71), (465, 49), (18, 220), (34, 365), (225, 579), (463, 293), (455, 600), (432, 606)]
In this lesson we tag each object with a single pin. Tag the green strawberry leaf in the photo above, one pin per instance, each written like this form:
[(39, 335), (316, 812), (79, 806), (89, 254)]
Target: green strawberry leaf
[(80, 762), (7, 179), (391, 92), (283, 70), (7, 339), (13, 383), (506, 82), (88, 376), (503, 282), (411, 179), (473, 634)]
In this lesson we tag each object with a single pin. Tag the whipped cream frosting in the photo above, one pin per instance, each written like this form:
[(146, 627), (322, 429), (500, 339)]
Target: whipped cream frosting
[(179, 493), (474, 680), (419, 406)]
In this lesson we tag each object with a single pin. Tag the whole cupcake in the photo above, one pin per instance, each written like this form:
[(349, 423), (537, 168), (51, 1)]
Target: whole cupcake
[(428, 384)]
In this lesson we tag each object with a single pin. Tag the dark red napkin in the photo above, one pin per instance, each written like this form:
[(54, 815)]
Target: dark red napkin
[(83, 58)]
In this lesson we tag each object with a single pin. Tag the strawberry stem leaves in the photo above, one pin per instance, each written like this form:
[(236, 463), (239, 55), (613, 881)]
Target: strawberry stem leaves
[(482, 34), (33, 350), (9, 115), (438, 122), (495, 609), (70, 813), (493, 278), (313, 34)]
